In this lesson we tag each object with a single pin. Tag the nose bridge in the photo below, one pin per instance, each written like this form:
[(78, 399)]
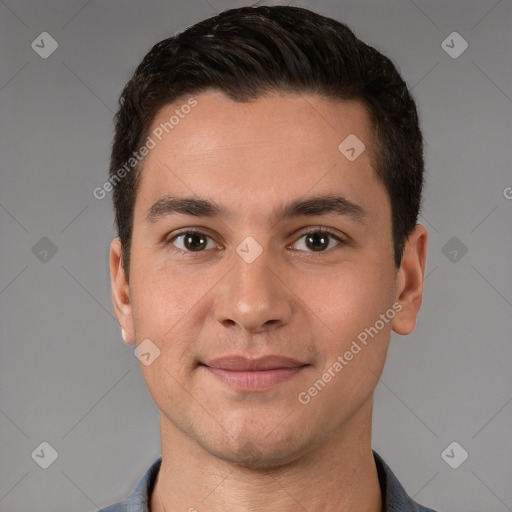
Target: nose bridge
[(253, 295)]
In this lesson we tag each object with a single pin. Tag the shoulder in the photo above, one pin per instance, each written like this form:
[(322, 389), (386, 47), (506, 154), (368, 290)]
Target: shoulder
[(395, 498), (121, 506), (139, 499)]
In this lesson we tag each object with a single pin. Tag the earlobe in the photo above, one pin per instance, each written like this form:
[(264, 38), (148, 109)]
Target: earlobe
[(120, 292), (410, 281)]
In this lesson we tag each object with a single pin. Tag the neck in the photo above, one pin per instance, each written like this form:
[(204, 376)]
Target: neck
[(340, 475)]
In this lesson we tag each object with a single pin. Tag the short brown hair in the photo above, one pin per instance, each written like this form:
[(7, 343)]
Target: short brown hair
[(250, 51)]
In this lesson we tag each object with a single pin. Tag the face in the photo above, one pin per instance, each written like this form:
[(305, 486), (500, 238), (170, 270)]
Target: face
[(258, 291)]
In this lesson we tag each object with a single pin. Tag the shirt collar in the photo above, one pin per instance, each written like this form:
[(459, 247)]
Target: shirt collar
[(394, 497)]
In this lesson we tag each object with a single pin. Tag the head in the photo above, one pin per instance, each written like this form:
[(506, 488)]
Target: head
[(244, 115)]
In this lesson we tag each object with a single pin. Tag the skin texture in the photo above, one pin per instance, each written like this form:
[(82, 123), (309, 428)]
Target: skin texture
[(224, 449)]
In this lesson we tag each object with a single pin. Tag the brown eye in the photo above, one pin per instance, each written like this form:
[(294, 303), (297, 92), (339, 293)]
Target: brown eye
[(194, 241), (319, 240), (191, 241)]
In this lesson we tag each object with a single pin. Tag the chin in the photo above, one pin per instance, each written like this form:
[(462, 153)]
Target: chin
[(257, 452)]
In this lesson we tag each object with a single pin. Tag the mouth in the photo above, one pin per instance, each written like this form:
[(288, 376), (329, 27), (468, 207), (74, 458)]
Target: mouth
[(249, 374)]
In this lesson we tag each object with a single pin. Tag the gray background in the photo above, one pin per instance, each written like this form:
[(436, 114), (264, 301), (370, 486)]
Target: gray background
[(65, 375)]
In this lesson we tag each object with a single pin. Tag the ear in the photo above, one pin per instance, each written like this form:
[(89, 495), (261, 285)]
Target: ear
[(121, 291), (410, 277)]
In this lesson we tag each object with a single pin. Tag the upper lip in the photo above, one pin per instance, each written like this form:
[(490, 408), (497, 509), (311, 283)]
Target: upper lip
[(241, 364)]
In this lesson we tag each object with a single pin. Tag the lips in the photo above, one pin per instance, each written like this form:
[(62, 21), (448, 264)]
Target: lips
[(244, 364), (249, 374)]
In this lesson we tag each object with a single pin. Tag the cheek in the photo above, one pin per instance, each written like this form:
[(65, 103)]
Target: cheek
[(348, 298), (170, 307), (165, 295), (163, 306), (347, 308), (351, 335)]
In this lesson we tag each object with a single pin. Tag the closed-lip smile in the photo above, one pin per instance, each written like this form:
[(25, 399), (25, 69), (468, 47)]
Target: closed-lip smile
[(254, 374)]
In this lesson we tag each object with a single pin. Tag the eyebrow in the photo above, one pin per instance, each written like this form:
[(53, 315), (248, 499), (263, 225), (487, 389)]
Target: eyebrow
[(311, 206)]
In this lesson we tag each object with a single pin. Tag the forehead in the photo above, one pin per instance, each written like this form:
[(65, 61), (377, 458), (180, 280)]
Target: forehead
[(281, 145), (216, 122)]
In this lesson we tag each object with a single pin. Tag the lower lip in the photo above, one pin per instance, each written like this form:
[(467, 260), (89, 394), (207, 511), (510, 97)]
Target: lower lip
[(255, 380)]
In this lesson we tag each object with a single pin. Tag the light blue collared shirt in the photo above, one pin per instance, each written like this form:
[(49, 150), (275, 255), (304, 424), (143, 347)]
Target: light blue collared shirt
[(395, 499)]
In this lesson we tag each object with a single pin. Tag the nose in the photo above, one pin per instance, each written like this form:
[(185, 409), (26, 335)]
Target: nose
[(255, 296)]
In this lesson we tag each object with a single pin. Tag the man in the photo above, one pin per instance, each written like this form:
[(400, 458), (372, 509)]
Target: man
[(267, 170)]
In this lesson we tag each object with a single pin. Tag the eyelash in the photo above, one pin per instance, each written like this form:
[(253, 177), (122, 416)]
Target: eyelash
[(318, 229)]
